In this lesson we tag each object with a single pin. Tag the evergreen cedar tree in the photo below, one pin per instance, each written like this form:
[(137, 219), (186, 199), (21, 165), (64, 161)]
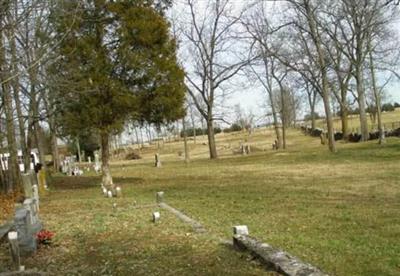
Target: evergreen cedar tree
[(116, 61)]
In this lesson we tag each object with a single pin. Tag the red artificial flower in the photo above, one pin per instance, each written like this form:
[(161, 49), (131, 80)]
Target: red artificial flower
[(44, 236)]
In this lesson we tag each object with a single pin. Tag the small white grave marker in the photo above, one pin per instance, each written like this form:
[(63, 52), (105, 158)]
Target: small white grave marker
[(104, 191), (156, 216), (109, 193), (241, 230), (118, 191)]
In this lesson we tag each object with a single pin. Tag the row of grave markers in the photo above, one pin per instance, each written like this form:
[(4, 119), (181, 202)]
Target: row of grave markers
[(70, 168)]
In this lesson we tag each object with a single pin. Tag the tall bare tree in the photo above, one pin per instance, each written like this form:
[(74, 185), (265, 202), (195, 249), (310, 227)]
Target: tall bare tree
[(212, 57)]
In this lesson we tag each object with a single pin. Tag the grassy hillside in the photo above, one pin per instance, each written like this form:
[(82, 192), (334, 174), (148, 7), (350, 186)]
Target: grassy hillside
[(340, 211)]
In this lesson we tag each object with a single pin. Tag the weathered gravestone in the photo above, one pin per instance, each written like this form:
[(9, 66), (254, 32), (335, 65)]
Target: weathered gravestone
[(97, 166), (160, 197), (271, 257), (157, 160), (14, 249), (30, 205), (245, 149), (26, 233), (31, 188)]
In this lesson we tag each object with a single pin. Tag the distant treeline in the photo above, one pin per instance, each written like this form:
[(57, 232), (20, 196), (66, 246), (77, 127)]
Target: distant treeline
[(387, 107), (190, 132)]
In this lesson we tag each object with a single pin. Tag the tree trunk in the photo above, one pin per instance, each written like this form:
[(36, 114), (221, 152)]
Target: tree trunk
[(313, 121), (54, 148), (39, 144), (105, 156), (35, 113), (311, 95), (283, 135), (329, 120), (361, 105), (29, 139), (283, 115), (344, 117), (377, 100), (322, 66), (194, 131), (185, 143), (273, 107), (18, 106), (78, 148), (211, 139), (276, 127), (13, 168)]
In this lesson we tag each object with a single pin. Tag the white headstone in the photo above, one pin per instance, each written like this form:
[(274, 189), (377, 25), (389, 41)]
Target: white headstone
[(97, 165), (156, 216), (118, 191), (241, 230), (13, 235), (109, 193), (31, 207)]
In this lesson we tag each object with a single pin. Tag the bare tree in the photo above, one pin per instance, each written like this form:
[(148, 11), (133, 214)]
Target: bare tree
[(213, 57), (14, 179), (264, 67), (307, 44)]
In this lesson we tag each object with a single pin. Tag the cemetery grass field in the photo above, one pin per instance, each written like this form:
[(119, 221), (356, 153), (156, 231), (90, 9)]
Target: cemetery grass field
[(340, 212)]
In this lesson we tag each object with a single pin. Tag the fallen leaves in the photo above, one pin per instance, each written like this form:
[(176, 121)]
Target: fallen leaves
[(7, 205)]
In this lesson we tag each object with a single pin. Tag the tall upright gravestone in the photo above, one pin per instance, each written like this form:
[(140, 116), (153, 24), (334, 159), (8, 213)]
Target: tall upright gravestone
[(97, 166), (26, 219)]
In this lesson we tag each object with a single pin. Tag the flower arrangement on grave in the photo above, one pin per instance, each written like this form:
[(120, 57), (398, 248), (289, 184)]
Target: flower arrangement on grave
[(44, 237)]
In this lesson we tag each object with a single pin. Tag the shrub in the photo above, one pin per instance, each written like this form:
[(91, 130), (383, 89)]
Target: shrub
[(232, 128), (388, 107), (133, 156)]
